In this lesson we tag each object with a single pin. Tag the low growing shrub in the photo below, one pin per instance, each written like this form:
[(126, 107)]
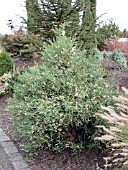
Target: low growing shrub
[(105, 54), (6, 64), (54, 104), (21, 44), (119, 58), (116, 58), (95, 53)]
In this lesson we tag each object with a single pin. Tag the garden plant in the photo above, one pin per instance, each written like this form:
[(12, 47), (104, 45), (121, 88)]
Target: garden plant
[(117, 131), (6, 64), (54, 104)]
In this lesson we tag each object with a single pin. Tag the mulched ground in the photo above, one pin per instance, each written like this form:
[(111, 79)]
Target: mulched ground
[(44, 160)]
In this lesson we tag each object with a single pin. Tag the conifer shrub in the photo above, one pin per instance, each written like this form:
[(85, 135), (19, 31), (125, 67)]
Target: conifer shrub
[(105, 54), (119, 58), (21, 44), (116, 59), (95, 52), (6, 64), (54, 104)]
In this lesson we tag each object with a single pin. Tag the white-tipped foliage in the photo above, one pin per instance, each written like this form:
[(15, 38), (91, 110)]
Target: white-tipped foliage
[(54, 104)]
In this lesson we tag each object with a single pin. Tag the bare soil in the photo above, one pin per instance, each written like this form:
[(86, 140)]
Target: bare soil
[(88, 159)]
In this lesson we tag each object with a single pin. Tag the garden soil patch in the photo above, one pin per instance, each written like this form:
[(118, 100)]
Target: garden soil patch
[(88, 159)]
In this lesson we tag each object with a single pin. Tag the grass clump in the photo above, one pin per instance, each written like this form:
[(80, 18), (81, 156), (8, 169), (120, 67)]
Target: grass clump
[(117, 132)]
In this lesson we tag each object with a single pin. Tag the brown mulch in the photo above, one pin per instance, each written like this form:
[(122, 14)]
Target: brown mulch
[(85, 160), (120, 79), (24, 63), (88, 159)]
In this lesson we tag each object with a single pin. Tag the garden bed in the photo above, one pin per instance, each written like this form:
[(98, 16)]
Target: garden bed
[(88, 159)]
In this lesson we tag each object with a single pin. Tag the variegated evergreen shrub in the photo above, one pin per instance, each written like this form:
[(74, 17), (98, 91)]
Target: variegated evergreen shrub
[(54, 104)]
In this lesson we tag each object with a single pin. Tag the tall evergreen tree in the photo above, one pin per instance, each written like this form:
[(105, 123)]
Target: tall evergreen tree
[(79, 17), (45, 15), (75, 19), (57, 12), (93, 8), (33, 13), (87, 35)]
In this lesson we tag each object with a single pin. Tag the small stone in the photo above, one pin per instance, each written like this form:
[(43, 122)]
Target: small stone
[(11, 149), (7, 144), (4, 138), (15, 157), (2, 133), (20, 165)]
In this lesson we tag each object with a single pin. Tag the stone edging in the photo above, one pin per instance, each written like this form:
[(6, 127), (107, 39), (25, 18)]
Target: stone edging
[(12, 153)]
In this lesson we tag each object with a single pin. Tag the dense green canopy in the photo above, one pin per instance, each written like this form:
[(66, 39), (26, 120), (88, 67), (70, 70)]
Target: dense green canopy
[(79, 17)]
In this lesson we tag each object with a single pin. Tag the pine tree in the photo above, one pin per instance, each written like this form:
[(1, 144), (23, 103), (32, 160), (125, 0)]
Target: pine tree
[(93, 8), (87, 35), (46, 15), (125, 33), (33, 13), (74, 20), (79, 17), (59, 12)]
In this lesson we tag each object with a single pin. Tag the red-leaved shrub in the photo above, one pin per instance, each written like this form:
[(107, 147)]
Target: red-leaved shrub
[(112, 44)]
